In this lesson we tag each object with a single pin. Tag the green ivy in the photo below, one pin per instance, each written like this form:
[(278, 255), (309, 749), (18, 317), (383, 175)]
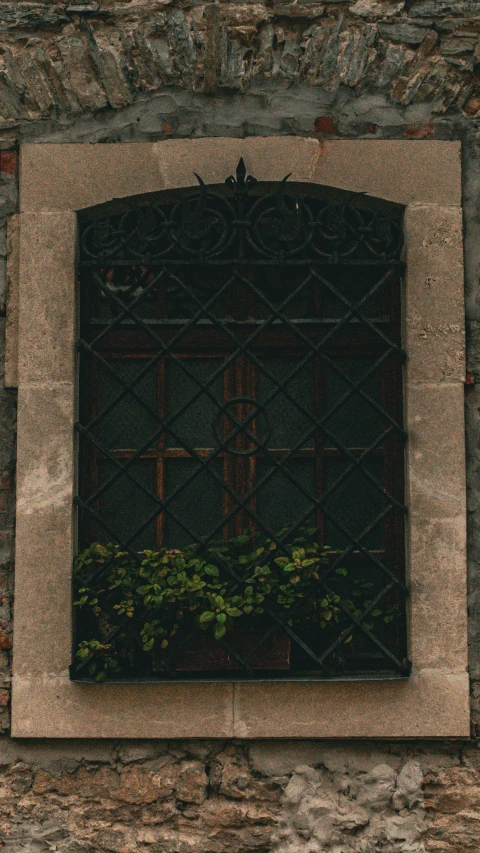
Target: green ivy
[(173, 593)]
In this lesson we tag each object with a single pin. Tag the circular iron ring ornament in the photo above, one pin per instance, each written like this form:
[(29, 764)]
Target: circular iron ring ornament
[(257, 414), (202, 223), (280, 225)]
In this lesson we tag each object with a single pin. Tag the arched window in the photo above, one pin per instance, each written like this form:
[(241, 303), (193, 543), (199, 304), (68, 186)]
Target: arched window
[(241, 405)]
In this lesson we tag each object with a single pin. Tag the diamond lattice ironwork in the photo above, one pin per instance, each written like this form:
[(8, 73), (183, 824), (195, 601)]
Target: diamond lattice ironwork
[(240, 380)]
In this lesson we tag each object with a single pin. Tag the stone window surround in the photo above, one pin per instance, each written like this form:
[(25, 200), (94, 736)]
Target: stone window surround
[(56, 181)]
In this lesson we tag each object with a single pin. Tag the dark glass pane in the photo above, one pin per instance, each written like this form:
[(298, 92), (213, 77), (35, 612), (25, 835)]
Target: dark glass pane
[(351, 285), (198, 504), (288, 424), (355, 503), (288, 288), (128, 425), (356, 423), (125, 507), (281, 503), (195, 425), (186, 291)]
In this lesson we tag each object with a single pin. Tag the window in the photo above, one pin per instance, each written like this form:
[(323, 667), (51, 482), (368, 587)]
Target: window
[(241, 375), (62, 216)]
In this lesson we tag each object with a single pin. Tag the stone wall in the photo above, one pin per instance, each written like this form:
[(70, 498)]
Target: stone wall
[(359, 67), (215, 797), (115, 70)]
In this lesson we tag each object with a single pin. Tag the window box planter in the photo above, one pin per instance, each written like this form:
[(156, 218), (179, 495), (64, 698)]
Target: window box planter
[(177, 614), (207, 654)]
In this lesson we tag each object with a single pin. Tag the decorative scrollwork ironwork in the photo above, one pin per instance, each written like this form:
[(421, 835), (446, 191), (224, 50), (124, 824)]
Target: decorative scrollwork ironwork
[(207, 224)]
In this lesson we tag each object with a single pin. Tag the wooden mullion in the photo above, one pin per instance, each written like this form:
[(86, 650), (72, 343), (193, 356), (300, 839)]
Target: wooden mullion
[(335, 452), (181, 453), (280, 452), (204, 339)]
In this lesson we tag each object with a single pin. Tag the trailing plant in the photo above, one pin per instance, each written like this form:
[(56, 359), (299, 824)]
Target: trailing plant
[(154, 603)]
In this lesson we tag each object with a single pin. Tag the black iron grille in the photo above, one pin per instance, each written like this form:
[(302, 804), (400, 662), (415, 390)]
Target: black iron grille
[(241, 376)]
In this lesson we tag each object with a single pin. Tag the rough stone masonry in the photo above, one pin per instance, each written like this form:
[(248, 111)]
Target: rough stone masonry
[(116, 71)]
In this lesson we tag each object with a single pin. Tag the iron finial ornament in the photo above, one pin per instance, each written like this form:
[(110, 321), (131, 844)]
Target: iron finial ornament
[(242, 182)]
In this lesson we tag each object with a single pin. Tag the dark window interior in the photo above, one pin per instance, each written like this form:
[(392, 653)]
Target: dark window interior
[(241, 372)]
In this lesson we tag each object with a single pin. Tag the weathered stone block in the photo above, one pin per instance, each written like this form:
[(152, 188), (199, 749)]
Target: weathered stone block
[(192, 783), (12, 296), (434, 300), (401, 32), (47, 298), (390, 171), (440, 8)]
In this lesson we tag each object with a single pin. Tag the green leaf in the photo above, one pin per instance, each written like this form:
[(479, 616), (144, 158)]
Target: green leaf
[(222, 618), (299, 554), (341, 571), (207, 616), (261, 571), (219, 631), (83, 654)]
